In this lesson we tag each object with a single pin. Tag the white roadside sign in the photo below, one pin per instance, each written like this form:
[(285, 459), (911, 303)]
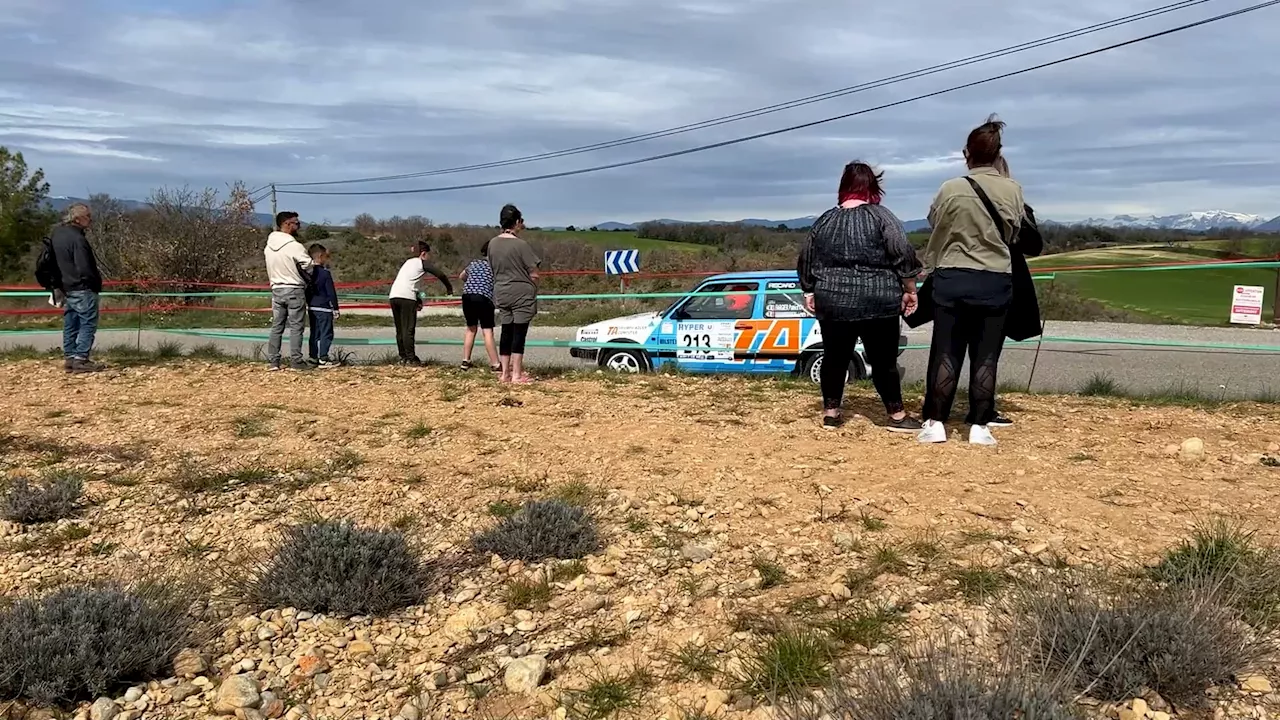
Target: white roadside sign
[(1246, 304)]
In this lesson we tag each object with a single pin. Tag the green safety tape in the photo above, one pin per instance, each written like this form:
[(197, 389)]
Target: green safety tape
[(572, 296), (248, 337), (1055, 340), (1165, 268), (651, 295)]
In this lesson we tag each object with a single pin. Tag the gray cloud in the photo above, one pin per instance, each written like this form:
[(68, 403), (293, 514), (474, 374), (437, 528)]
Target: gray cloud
[(294, 90)]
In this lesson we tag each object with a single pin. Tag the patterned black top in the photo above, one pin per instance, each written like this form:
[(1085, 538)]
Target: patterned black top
[(854, 261)]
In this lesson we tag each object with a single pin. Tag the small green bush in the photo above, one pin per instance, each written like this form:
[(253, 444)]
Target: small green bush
[(1229, 557), (524, 594), (868, 627), (772, 574), (607, 695), (542, 529), (330, 566), (789, 664), (52, 499), (86, 641)]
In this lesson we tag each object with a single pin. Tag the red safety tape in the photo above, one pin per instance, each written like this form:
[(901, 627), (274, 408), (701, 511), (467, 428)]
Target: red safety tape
[(631, 277), (363, 283)]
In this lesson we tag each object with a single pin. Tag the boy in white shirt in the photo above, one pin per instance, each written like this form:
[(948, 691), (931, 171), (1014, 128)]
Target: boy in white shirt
[(406, 299)]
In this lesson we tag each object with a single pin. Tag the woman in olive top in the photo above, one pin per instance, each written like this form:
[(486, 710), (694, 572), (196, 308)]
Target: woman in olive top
[(515, 292), (975, 220)]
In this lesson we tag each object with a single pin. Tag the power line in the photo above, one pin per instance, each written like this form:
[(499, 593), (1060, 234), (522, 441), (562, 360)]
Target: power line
[(779, 107), (802, 126)]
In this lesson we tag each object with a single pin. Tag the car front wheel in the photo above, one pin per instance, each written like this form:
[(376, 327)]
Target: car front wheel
[(625, 361), (812, 368)]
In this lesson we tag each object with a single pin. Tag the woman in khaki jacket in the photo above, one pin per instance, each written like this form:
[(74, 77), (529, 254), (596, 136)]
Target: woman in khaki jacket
[(975, 219)]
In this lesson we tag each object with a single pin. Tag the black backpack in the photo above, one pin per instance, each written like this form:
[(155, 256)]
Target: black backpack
[(47, 272)]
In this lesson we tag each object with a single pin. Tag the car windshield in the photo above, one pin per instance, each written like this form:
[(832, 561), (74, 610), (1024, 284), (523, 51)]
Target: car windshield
[(737, 302)]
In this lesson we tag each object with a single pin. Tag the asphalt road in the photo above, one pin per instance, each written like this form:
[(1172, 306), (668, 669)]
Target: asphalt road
[(1065, 366)]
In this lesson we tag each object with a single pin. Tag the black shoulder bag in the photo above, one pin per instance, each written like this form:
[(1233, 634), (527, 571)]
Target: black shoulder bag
[(1023, 321)]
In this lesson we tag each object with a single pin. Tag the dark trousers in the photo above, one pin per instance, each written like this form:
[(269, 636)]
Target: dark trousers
[(513, 337), (980, 331), (321, 337), (880, 340), (405, 314)]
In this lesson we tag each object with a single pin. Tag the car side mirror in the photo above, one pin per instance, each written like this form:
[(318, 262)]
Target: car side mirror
[(680, 314)]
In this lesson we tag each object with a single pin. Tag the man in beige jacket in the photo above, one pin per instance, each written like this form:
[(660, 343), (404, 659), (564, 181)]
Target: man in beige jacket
[(289, 269)]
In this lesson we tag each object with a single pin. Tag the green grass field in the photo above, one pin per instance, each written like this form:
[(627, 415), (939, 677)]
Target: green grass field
[(1195, 297), (621, 241)]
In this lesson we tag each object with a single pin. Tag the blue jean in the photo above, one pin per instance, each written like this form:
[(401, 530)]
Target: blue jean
[(79, 324), (321, 334), (288, 307)]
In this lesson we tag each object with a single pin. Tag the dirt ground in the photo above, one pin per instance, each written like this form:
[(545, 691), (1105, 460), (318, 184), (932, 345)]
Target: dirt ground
[(740, 466)]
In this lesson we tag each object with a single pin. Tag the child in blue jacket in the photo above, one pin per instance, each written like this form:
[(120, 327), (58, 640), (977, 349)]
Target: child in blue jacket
[(322, 308)]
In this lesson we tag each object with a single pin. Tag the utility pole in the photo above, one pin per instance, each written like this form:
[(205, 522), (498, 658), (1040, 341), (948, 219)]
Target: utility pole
[(274, 210)]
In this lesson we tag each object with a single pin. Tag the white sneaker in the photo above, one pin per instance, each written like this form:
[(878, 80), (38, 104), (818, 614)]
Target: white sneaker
[(933, 432), (981, 435)]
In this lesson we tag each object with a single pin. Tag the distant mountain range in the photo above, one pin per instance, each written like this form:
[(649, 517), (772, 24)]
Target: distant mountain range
[(1187, 222), (60, 204), (793, 223)]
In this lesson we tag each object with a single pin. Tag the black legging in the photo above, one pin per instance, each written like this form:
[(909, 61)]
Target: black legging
[(880, 340), (980, 330), (513, 337), (405, 314)]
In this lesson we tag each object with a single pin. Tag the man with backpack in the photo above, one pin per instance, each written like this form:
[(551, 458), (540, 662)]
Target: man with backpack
[(69, 270)]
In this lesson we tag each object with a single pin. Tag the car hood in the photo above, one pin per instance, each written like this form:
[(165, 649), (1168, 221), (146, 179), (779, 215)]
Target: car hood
[(622, 326)]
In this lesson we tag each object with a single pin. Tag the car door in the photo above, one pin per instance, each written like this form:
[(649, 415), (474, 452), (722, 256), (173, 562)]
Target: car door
[(780, 331), (705, 325)]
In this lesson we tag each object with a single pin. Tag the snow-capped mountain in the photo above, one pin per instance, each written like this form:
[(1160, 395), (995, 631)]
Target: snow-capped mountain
[(1189, 222)]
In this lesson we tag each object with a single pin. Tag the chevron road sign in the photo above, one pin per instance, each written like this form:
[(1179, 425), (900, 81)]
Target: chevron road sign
[(621, 262)]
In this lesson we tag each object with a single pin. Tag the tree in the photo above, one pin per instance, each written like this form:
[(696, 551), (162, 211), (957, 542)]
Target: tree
[(315, 233), (24, 215), (571, 229), (109, 220), (365, 224), (184, 235)]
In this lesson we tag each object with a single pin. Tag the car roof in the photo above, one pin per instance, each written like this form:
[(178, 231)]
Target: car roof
[(755, 275)]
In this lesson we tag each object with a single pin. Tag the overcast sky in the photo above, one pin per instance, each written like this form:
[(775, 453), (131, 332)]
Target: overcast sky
[(122, 96)]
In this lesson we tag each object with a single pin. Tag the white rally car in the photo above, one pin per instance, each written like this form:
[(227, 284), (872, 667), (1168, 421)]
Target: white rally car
[(752, 322)]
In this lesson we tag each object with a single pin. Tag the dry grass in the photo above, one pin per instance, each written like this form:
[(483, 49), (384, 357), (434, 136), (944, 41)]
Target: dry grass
[(940, 516)]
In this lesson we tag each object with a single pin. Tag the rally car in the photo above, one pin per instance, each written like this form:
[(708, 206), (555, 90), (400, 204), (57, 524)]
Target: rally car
[(755, 323)]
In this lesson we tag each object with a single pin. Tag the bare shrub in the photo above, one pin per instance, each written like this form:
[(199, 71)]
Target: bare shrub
[(939, 685), (86, 641), (332, 566), (184, 234), (52, 499), (1178, 641), (542, 529)]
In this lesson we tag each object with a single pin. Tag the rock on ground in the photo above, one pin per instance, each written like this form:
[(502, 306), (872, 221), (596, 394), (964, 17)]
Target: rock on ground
[(238, 692), (525, 675)]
